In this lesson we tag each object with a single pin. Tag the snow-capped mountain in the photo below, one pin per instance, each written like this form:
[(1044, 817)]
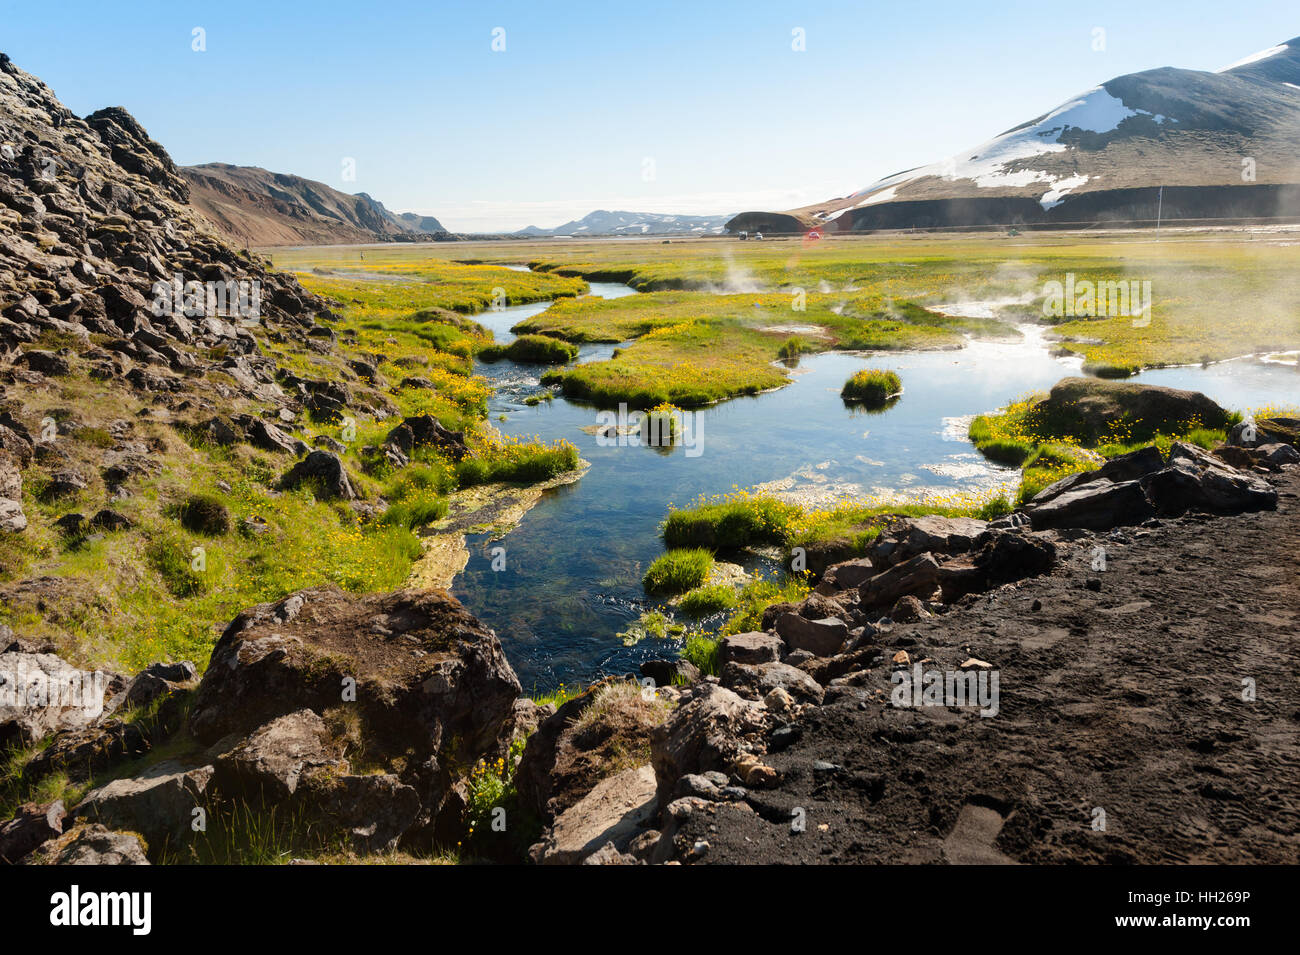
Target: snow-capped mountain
[(603, 222), (1224, 144)]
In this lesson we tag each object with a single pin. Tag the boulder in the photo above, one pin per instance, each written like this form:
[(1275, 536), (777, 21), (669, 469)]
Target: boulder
[(756, 681), (12, 518), (268, 437), (820, 606), (159, 804), (63, 483), (525, 718), (425, 681), (826, 669), (1285, 430), (1266, 431), (160, 680), (46, 362), (1087, 409), (325, 407), (81, 753), (94, 845), (588, 738), (773, 612), (374, 809), (749, 648), (907, 610), (705, 733), (535, 776), (822, 637), (32, 826), (267, 764), (1095, 505), (15, 441), (917, 576), (1277, 454), (821, 555), (325, 472), (41, 694), (426, 431), (1254, 458), (1188, 485), (847, 576), (1240, 432), (221, 431), (1132, 466), (910, 536), (615, 812), (11, 478), (108, 520), (1005, 556), (670, 672), (1125, 467)]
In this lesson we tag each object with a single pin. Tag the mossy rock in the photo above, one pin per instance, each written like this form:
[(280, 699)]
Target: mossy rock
[(1280, 429), (1088, 409)]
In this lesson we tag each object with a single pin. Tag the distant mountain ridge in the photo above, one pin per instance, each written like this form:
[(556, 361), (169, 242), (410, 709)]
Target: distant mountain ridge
[(253, 206), (605, 222), (1224, 144)]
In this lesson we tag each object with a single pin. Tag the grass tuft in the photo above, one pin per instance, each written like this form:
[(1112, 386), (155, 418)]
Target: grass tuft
[(872, 386), (678, 571)]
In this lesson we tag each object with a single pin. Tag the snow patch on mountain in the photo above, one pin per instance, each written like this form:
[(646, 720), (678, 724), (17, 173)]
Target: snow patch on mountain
[(1095, 111), (1256, 57), (603, 222)]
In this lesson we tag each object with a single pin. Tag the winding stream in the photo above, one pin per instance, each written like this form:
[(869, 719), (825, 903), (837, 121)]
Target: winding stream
[(572, 579)]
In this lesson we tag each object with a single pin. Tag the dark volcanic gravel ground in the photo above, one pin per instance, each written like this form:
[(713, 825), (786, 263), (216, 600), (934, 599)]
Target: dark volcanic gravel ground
[(1126, 700)]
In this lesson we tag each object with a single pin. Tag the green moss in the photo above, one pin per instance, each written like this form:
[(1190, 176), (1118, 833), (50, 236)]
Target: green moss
[(651, 625)]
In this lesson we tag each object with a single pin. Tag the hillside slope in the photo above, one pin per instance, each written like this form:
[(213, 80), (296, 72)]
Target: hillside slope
[(254, 207)]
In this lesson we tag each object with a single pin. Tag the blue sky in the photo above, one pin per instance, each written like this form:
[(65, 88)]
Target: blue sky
[(564, 120)]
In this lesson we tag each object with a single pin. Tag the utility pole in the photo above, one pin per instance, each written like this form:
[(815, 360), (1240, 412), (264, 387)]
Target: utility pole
[(1160, 208)]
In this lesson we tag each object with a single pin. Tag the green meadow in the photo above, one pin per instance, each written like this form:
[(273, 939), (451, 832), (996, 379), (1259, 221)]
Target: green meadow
[(1214, 295)]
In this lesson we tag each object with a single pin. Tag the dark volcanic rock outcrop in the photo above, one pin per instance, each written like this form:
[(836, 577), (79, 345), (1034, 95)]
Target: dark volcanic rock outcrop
[(96, 238), (424, 686)]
